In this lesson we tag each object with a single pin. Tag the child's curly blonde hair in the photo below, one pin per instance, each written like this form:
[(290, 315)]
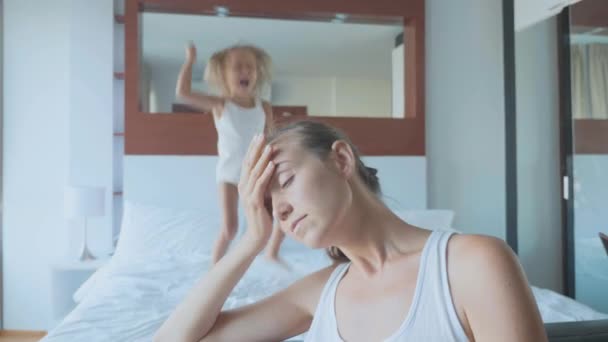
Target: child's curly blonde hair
[(214, 71)]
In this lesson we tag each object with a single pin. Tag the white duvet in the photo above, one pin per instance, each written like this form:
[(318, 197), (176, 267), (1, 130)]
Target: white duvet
[(162, 252), (130, 302)]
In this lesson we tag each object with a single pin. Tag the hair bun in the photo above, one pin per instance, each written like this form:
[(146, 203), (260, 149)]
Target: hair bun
[(372, 171)]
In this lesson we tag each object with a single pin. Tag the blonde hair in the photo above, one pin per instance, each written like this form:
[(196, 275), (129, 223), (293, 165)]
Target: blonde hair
[(214, 71)]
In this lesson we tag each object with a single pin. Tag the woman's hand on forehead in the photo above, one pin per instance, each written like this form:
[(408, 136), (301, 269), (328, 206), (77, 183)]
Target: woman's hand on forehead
[(256, 174)]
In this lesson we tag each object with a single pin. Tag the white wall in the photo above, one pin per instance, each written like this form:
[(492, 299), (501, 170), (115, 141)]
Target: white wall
[(323, 95), (465, 129), (162, 82), (58, 130), (398, 81), (91, 110), (35, 150), (189, 181), (363, 97), (465, 112), (315, 92), (539, 221), (331, 96), (1, 139)]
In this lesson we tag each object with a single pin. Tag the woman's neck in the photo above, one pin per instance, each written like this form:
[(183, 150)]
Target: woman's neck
[(373, 235)]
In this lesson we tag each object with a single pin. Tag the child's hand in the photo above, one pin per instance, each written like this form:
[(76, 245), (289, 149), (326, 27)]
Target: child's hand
[(191, 53), (256, 173)]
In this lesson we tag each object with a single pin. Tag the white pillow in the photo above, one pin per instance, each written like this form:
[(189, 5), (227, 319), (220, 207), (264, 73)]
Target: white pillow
[(432, 219), (149, 231), (90, 284), (153, 234)]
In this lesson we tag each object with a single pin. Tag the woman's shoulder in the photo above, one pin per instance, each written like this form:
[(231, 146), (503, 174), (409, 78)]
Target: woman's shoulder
[(476, 261), (318, 279), (467, 248), (307, 291)]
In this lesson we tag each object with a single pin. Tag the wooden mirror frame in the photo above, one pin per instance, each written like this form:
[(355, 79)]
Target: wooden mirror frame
[(194, 134)]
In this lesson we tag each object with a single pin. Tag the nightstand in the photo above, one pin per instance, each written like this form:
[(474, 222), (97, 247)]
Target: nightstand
[(66, 278)]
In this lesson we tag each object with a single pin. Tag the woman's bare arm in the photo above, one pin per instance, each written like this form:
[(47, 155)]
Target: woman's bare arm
[(278, 317), (489, 284), (270, 126), (199, 316)]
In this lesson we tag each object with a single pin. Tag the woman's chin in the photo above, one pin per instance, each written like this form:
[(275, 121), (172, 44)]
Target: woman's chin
[(311, 242)]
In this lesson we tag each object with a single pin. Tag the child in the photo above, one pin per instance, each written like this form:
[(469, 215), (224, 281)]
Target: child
[(239, 72)]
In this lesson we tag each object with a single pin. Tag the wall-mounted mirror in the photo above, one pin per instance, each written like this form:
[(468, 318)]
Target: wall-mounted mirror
[(589, 161), (340, 66), (355, 65)]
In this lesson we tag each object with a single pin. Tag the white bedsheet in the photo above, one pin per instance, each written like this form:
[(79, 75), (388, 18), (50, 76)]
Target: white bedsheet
[(131, 301)]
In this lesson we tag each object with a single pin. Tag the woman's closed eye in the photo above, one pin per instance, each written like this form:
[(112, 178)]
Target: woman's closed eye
[(287, 182)]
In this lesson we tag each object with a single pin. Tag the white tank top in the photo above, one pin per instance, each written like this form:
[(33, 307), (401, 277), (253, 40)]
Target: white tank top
[(236, 127), (431, 316)]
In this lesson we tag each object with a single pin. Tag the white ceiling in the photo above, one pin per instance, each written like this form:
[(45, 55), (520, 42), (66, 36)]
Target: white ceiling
[(298, 48)]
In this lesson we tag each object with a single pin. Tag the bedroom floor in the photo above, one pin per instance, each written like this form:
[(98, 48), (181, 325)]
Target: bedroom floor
[(20, 336)]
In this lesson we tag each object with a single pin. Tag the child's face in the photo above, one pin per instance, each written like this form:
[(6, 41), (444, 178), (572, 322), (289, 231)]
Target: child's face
[(241, 73)]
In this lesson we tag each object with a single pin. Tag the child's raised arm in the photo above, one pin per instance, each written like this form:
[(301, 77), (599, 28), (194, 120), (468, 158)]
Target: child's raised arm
[(183, 91)]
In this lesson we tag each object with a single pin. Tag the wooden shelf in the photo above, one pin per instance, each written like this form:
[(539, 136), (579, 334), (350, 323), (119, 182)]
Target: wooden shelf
[(117, 193), (119, 134), (119, 75), (591, 136), (119, 18)]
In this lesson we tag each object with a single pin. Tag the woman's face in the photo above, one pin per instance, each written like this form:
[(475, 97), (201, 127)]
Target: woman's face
[(241, 72), (309, 195)]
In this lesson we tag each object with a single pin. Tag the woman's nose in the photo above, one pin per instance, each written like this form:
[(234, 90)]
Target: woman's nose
[(283, 211)]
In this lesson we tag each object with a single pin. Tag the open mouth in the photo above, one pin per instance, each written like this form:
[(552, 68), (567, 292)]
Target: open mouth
[(244, 83)]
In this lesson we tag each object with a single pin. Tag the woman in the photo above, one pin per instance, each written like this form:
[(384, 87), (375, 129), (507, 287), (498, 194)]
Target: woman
[(391, 281)]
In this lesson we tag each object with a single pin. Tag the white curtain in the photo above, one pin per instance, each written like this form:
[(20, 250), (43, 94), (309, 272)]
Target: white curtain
[(598, 80), (580, 99), (589, 68)]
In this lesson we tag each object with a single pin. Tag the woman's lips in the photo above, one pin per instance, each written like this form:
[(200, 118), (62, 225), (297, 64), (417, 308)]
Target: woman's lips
[(295, 223)]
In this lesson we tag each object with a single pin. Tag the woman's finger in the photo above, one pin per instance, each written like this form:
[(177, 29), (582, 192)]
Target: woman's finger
[(262, 182), (260, 165), (254, 156), (247, 160), (256, 150), (248, 155)]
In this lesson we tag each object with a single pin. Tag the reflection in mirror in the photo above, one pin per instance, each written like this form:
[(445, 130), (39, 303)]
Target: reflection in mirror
[(332, 68), (589, 89)]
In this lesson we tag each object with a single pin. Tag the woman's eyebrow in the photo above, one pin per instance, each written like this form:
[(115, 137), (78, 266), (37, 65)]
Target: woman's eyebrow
[(281, 162)]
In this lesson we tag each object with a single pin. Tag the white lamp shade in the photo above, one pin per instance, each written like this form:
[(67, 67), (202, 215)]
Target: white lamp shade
[(83, 201)]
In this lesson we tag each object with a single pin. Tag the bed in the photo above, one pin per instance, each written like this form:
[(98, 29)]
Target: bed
[(162, 252)]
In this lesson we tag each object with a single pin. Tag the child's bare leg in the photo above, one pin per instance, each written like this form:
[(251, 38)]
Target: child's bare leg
[(229, 200), (272, 250)]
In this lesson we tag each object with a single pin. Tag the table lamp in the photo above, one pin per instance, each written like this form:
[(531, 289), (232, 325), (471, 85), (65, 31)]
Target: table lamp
[(82, 202)]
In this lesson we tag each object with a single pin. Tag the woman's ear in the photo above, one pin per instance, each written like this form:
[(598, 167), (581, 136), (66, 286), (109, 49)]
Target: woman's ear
[(344, 158)]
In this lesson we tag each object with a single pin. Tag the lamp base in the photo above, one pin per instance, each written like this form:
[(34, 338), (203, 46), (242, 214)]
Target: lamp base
[(85, 254)]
